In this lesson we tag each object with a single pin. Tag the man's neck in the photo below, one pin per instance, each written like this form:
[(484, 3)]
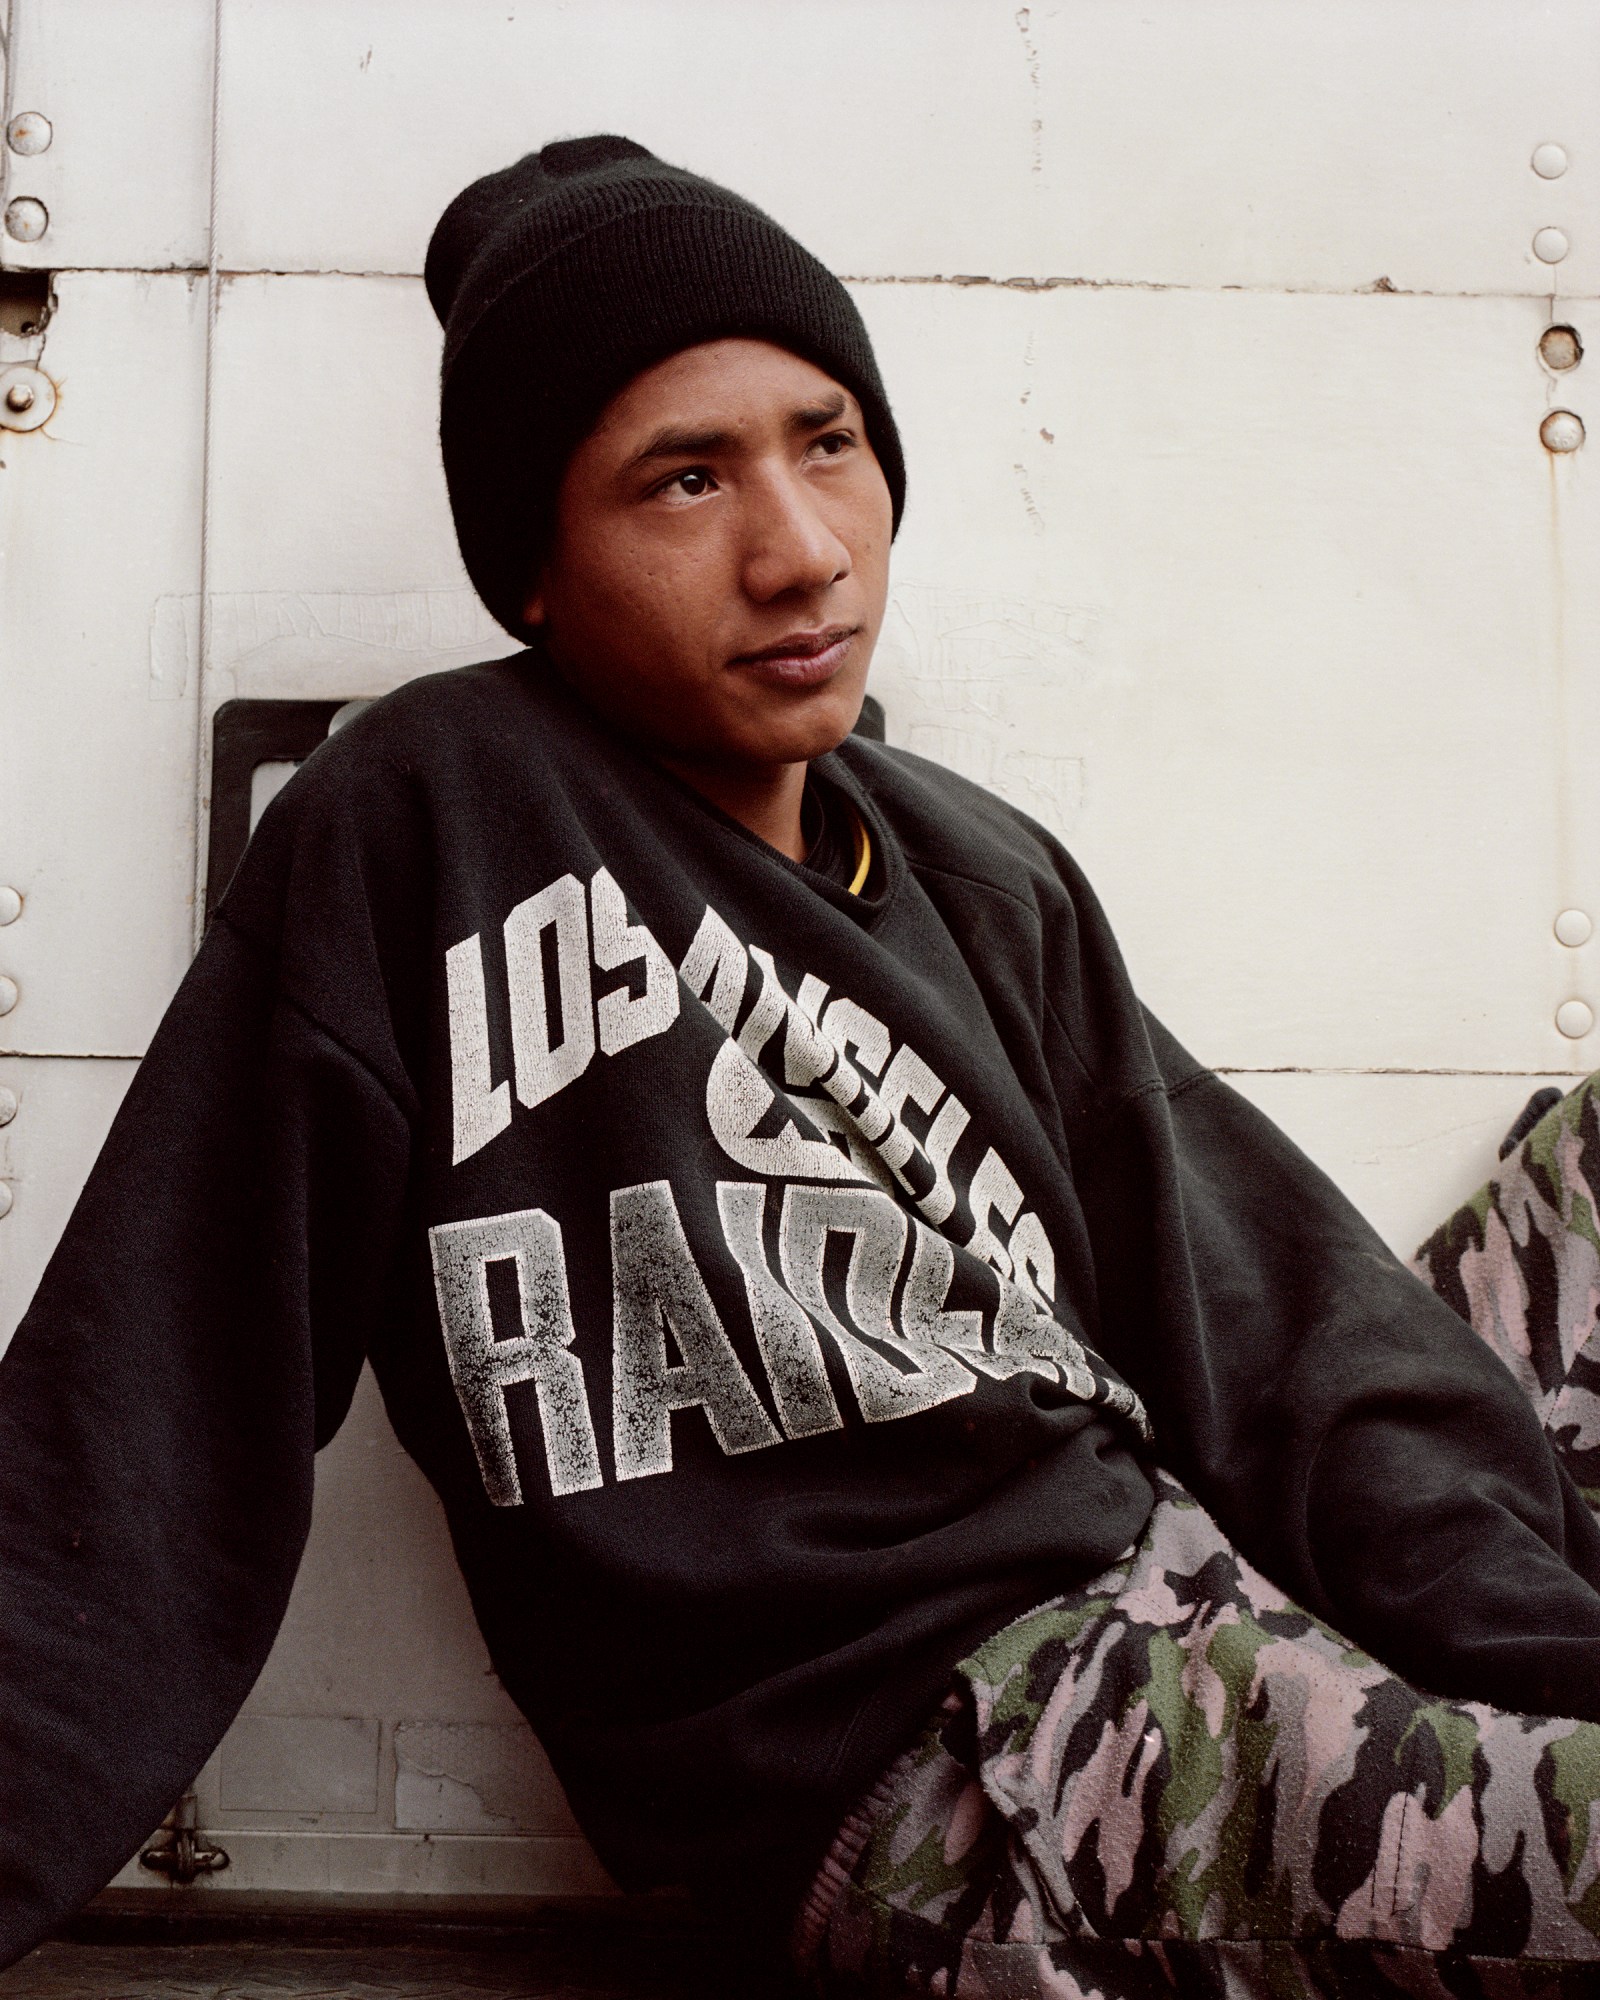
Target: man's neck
[(765, 801)]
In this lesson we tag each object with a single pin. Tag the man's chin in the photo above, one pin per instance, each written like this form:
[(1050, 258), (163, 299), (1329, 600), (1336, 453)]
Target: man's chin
[(752, 737), (811, 727), (818, 734)]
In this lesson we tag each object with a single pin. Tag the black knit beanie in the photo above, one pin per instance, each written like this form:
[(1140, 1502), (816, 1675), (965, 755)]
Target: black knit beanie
[(557, 280)]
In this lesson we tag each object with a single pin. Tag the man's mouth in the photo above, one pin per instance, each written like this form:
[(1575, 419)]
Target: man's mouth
[(801, 659)]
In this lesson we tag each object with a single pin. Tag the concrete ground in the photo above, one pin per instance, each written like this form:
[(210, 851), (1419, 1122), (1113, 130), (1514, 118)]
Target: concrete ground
[(563, 1957)]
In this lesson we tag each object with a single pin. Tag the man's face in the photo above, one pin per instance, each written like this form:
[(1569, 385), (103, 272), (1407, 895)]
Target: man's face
[(720, 560)]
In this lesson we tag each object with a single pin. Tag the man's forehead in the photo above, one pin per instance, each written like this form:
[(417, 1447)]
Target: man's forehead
[(725, 387)]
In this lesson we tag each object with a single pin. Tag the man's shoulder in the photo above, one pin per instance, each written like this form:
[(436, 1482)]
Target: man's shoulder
[(437, 716), (433, 734), (400, 779)]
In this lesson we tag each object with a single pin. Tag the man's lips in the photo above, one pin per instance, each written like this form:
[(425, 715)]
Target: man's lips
[(800, 659)]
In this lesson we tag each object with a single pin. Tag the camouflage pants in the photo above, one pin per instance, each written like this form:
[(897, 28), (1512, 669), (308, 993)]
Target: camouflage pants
[(1173, 1781)]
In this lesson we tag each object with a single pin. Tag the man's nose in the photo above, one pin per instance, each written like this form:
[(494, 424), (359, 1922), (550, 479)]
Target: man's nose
[(789, 544)]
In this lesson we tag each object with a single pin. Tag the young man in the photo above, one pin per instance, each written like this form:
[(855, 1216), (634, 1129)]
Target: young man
[(800, 1266)]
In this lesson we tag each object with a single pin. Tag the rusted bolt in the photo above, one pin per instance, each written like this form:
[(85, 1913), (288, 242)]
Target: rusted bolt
[(1562, 430), (1550, 245), (27, 397), (1560, 348), (1549, 161), (27, 219), (29, 132), (1574, 1018)]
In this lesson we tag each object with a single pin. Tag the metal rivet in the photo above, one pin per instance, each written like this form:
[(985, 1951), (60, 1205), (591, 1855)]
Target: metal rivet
[(27, 397), (1550, 245), (1574, 1018), (8, 994), (10, 905), (1561, 431), (1560, 348), (8, 1105), (29, 132), (1549, 161), (1573, 927), (27, 219), (5, 1197)]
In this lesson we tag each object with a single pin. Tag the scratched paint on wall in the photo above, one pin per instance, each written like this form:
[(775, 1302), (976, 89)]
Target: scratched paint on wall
[(290, 643)]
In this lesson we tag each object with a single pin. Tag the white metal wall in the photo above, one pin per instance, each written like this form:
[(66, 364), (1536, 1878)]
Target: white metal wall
[(1233, 553)]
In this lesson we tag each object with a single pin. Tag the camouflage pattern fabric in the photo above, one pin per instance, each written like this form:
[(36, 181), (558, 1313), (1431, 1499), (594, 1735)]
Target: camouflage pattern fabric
[(1173, 1781), (1521, 1261)]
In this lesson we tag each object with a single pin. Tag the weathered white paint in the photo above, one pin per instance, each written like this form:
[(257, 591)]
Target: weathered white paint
[(64, 1107), (1239, 142), (1406, 1149), (1309, 616), (1249, 578), (99, 519), (127, 90), (475, 1776), (331, 561)]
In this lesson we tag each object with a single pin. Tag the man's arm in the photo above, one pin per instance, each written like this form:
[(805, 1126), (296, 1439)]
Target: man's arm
[(1351, 1434), (198, 1331)]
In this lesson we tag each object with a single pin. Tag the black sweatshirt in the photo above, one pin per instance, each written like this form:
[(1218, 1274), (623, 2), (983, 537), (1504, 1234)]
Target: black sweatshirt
[(736, 1258)]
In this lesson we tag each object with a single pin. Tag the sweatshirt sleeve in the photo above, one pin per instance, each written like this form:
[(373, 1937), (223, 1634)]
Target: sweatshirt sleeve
[(197, 1333), (1349, 1432)]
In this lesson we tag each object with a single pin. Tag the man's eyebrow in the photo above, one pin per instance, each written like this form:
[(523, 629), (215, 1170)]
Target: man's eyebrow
[(815, 415), (673, 441), (676, 441)]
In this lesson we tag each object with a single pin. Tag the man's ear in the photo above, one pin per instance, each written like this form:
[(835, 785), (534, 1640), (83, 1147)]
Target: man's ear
[(536, 605)]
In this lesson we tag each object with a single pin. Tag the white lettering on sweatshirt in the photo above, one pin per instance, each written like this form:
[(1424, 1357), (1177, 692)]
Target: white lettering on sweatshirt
[(806, 1090), (483, 1368)]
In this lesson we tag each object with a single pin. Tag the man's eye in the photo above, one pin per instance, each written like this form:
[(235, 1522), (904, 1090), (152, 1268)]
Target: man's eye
[(692, 483), (834, 443)]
